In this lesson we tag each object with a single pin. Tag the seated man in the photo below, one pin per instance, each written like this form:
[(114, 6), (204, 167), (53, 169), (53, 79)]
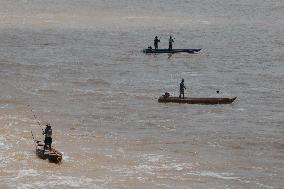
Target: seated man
[(166, 95)]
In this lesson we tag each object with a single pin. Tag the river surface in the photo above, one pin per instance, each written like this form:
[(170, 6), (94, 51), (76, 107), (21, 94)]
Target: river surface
[(78, 65)]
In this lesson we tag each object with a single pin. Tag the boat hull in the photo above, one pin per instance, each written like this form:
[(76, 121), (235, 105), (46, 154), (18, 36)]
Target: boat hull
[(149, 51), (52, 155), (163, 99)]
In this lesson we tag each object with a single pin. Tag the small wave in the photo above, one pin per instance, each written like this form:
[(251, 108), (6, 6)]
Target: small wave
[(224, 176), (145, 168), (136, 17), (98, 82), (177, 166), (54, 181), (95, 82), (27, 172), (264, 186), (153, 157), (19, 155), (66, 157), (45, 44), (4, 146), (278, 145), (4, 62), (46, 91), (9, 102)]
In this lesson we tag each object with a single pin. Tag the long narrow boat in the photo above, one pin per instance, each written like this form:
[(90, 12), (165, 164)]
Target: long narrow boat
[(197, 100), (52, 155), (150, 50)]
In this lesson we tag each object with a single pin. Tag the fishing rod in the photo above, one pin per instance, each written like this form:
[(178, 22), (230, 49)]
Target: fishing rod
[(35, 141), (33, 136), (36, 119)]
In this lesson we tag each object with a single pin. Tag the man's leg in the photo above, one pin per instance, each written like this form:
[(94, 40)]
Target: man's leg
[(45, 143)]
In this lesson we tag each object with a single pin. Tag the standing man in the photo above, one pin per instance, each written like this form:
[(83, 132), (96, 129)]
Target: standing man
[(181, 89), (171, 43), (156, 41), (47, 140)]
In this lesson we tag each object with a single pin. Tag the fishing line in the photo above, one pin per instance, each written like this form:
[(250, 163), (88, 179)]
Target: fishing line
[(36, 118), (35, 141)]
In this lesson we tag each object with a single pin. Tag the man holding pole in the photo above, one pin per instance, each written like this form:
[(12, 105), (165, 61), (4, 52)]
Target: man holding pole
[(48, 140)]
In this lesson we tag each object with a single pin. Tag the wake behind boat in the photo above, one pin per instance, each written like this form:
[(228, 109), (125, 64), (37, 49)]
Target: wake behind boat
[(187, 100), (156, 51)]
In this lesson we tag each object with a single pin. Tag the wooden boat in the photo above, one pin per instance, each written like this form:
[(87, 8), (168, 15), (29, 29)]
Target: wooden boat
[(150, 50), (197, 100), (52, 155)]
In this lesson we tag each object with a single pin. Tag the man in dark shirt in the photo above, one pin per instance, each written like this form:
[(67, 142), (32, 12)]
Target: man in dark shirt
[(156, 41), (181, 89), (48, 140), (171, 43)]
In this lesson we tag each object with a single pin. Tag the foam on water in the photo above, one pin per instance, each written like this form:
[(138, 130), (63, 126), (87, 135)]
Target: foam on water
[(225, 176), (56, 181)]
